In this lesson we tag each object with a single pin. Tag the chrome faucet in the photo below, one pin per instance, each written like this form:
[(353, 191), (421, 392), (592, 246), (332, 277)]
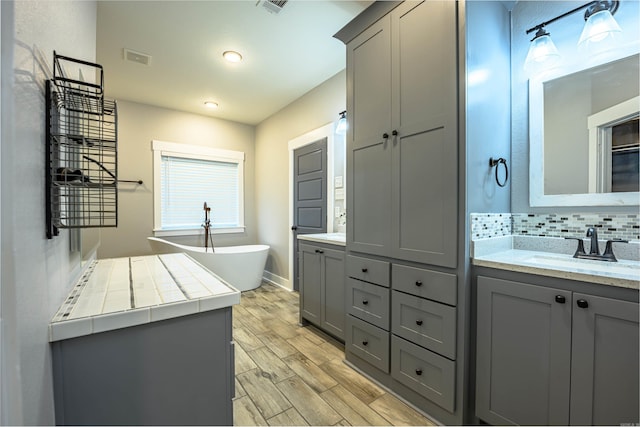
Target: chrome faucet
[(594, 250)]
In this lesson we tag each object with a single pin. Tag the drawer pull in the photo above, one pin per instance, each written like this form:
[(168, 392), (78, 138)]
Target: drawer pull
[(365, 342), (419, 283), (365, 302), (419, 322), (560, 299), (418, 371), (318, 251), (364, 270), (582, 303)]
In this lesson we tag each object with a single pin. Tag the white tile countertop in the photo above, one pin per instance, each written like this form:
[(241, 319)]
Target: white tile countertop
[(122, 292), (338, 239), (543, 256)]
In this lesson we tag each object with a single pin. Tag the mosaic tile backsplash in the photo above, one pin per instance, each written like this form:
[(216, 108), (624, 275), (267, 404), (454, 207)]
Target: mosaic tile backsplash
[(609, 226)]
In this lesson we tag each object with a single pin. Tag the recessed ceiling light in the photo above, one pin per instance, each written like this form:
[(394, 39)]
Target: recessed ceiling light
[(232, 56), (211, 104)]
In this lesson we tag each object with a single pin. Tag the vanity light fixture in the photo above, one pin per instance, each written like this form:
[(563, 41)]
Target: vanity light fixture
[(600, 23), (211, 104), (599, 26), (542, 55), (232, 56), (341, 127)]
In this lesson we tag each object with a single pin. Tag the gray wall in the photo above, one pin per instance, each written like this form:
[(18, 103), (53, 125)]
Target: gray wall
[(36, 272), (315, 109), (565, 34), (488, 111), (138, 125)]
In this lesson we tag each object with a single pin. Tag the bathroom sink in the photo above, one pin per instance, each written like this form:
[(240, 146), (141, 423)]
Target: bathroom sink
[(624, 267)]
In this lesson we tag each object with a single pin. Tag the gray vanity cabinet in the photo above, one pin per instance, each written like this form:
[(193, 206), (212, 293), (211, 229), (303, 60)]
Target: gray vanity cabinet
[(604, 361), (322, 287), (548, 356), (523, 353), (402, 143)]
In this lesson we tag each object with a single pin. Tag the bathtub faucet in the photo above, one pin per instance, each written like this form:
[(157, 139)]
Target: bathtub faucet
[(207, 228)]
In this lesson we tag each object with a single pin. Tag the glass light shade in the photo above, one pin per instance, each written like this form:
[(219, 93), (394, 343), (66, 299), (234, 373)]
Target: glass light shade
[(543, 55), (598, 27)]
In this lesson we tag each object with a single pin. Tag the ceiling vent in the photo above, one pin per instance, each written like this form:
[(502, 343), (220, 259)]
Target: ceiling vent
[(139, 57), (272, 6)]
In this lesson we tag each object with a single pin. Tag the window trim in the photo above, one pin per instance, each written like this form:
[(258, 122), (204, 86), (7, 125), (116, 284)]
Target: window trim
[(198, 152)]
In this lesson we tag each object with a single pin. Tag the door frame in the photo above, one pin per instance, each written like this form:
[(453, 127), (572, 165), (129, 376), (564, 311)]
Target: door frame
[(326, 131)]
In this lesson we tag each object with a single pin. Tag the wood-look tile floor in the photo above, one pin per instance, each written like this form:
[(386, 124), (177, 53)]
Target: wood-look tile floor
[(292, 375)]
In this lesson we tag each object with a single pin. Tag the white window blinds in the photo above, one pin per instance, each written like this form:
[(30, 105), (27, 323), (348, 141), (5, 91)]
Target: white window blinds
[(187, 183)]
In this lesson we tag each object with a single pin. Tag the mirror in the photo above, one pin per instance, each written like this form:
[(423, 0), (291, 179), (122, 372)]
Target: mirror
[(584, 136)]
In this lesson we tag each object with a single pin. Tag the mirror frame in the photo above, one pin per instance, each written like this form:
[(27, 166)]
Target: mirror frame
[(536, 150)]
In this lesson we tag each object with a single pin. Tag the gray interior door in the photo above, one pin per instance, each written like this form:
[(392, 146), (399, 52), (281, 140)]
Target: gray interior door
[(309, 195)]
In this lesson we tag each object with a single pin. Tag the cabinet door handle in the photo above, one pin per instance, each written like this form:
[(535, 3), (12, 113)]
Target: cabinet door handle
[(364, 270), (582, 303), (419, 322), (365, 302), (418, 371), (365, 342), (318, 251), (418, 283), (560, 299), (385, 135), (394, 133), (294, 227)]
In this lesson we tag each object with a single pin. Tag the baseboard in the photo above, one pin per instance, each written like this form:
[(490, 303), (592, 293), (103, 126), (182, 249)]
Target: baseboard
[(274, 279)]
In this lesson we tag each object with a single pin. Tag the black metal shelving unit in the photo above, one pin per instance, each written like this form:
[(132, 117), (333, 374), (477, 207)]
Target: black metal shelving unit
[(82, 138)]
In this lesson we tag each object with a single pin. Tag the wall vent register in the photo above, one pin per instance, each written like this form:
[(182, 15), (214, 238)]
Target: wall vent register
[(81, 156)]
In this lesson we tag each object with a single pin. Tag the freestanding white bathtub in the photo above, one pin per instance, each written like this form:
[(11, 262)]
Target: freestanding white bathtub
[(240, 266)]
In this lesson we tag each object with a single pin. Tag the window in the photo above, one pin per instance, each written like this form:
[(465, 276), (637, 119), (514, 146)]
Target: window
[(187, 176)]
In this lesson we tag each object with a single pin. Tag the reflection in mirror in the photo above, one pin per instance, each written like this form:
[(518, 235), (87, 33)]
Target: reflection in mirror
[(584, 140), (574, 164)]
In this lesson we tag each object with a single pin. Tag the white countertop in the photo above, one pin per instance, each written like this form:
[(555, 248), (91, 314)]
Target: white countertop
[(122, 292), (338, 239), (502, 254)]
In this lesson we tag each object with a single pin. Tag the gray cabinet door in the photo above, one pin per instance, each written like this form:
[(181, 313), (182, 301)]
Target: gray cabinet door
[(368, 151), (333, 305), (310, 283), (425, 167), (523, 353), (604, 368)]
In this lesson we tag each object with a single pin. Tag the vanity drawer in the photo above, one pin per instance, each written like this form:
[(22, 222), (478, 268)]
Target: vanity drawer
[(426, 373), (429, 324), (369, 270), (368, 342), (424, 283), (368, 302)]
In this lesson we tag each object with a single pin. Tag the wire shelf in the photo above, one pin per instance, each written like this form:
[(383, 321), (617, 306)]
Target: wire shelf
[(82, 135)]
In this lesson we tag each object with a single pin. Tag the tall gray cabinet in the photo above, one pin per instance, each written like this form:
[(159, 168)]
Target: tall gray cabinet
[(403, 200), (402, 141)]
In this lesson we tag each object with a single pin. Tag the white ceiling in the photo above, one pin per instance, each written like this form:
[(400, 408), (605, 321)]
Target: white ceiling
[(285, 54)]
